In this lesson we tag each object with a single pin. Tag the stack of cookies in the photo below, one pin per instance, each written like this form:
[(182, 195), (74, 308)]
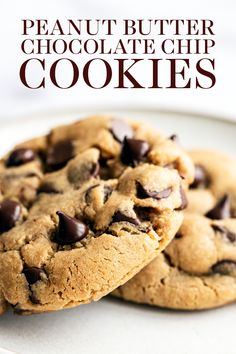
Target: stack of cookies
[(106, 206)]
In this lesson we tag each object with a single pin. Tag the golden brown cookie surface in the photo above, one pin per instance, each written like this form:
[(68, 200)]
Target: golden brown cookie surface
[(85, 208), (198, 269)]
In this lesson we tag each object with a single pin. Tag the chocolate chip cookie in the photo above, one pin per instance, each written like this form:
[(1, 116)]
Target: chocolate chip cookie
[(198, 269), (85, 208)]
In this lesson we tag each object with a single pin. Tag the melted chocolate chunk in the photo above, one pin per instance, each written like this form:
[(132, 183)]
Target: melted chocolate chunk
[(20, 156), (144, 213), (103, 162), (87, 193), (119, 216), (120, 130), (133, 151), (178, 235), (105, 172), (171, 166), (32, 274), (231, 236), (143, 193), (225, 267), (184, 200), (9, 214), (59, 154), (47, 188), (223, 230), (94, 171), (201, 179), (70, 230), (221, 210), (19, 311), (107, 192), (168, 259)]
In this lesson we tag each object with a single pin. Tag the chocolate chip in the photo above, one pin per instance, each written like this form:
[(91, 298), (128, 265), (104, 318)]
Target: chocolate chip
[(20, 156), (59, 154), (120, 130), (221, 210), (79, 172), (31, 175), (47, 188), (178, 235), (184, 200), (94, 171), (171, 166), (105, 172), (9, 214), (225, 267), (143, 193), (34, 299), (231, 236), (133, 151), (168, 259), (107, 190), (219, 228), (144, 213), (223, 230), (103, 162), (70, 230), (87, 193), (174, 138), (32, 274), (119, 216), (201, 179)]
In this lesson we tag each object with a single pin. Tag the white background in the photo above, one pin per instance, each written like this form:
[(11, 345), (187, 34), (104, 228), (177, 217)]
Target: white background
[(16, 100)]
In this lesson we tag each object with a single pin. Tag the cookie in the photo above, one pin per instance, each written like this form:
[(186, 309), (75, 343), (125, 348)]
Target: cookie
[(86, 208), (198, 269)]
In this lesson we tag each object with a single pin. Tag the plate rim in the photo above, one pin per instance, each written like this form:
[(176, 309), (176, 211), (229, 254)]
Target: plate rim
[(101, 109)]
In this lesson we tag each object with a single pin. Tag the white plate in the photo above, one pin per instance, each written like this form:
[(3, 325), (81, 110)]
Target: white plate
[(111, 326)]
